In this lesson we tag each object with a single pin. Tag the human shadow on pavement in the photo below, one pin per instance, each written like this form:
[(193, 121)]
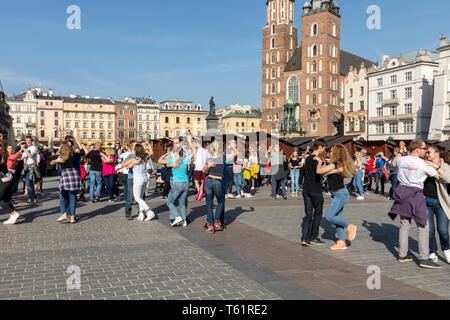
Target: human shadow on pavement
[(388, 235), (108, 209)]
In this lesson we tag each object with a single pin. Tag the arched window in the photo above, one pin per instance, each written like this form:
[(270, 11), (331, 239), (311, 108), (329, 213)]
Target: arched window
[(273, 103), (315, 51), (334, 30), (314, 67), (274, 89), (293, 88), (273, 29), (274, 73), (314, 99), (314, 30), (268, 117), (314, 83), (276, 117), (273, 57), (272, 44)]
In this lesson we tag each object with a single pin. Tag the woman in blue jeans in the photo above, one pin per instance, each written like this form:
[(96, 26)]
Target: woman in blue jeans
[(215, 168), (341, 166), (69, 183), (295, 165), (438, 204), (180, 182), (358, 179)]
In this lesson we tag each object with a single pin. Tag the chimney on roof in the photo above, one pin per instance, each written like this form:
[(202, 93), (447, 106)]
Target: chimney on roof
[(385, 58), (50, 92)]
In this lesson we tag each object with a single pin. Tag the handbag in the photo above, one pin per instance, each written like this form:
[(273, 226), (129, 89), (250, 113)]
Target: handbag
[(201, 191)]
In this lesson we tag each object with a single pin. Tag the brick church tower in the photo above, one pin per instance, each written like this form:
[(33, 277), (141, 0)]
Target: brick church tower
[(279, 44), (320, 81)]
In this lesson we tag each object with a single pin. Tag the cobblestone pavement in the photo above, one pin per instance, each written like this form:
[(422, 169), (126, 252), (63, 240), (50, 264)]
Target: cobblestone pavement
[(376, 242), (118, 259), (122, 259)]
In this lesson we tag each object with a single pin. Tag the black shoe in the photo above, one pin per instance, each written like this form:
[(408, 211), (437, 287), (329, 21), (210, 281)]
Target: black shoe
[(128, 218), (408, 258), (285, 198), (305, 244), (317, 242), (429, 264), (171, 221)]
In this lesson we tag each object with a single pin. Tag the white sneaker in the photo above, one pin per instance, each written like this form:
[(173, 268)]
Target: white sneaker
[(238, 197), (12, 219), (242, 193), (141, 216), (150, 215), (447, 255), (176, 221), (360, 198), (185, 224), (279, 197), (230, 196), (249, 195), (434, 258)]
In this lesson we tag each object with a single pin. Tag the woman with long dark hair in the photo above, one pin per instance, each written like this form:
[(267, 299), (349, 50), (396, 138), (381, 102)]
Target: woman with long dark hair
[(341, 166), (6, 186), (438, 203)]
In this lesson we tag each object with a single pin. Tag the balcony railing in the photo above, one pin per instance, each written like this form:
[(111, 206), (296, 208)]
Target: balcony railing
[(30, 125), (391, 101), (396, 117)]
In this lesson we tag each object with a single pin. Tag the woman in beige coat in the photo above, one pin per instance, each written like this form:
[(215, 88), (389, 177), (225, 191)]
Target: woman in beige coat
[(438, 203)]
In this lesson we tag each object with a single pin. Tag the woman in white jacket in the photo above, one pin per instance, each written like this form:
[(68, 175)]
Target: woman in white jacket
[(438, 203)]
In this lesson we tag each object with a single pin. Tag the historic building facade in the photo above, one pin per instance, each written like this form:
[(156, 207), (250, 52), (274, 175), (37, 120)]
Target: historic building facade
[(178, 116), (93, 119), (401, 96), (240, 122), (23, 112), (49, 117), (126, 122), (5, 119), (440, 119), (356, 101), (310, 75)]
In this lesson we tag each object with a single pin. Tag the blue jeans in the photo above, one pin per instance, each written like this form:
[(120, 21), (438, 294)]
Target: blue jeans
[(68, 202), (442, 226), (30, 188), (295, 175), (95, 176), (238, 182), (335, 211), (394, 180), (213, 187), (358, 182), (179, 191), (128, 193)]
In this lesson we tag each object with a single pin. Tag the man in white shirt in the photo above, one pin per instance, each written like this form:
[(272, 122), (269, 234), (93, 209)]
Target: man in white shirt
[(410, 202), (201, 157), (30, 154)]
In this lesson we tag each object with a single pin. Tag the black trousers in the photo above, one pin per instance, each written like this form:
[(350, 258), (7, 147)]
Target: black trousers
[(6, 195), (313, 215), (166, 189), (230, 179)]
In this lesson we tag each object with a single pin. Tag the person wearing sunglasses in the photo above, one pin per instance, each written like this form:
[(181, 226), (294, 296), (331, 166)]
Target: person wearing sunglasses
[(438, 203), (410, 205)]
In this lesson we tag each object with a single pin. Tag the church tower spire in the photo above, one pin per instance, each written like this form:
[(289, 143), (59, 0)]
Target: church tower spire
[(279, 44)]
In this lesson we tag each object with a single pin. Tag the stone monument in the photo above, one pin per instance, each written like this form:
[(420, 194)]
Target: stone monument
[(212, 121)]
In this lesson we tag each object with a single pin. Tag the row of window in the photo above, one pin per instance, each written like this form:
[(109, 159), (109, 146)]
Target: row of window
[(85, 115), (393, 94), (130, 112), (361, 93), (93, 125), (177, 133), (316, 50), (315, 30), (408, 127), (353, 126), (352, 109), (242, 124), (14, 108), (393, 110), (141, 118), (394, 79), (177, 120)]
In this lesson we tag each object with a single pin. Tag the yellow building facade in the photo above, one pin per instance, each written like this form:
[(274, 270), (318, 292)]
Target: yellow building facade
[(241, 122), (179, 116), (93, 119)]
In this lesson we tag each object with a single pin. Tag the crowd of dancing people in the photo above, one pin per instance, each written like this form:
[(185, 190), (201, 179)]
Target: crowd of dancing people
[(418, 175)]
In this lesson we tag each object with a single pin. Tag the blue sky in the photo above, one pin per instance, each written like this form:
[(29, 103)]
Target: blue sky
[(181, 49)]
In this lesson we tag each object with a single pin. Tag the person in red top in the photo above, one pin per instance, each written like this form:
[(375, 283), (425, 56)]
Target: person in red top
[(369, 170), (12, 159)]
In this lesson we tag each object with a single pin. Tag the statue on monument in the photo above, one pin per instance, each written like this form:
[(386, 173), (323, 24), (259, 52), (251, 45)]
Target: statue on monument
[(212, 107)]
